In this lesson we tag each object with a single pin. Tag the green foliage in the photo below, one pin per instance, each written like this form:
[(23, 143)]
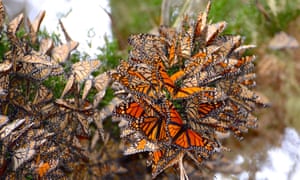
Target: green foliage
[(107, 98), (240, 16), (56, 84), (55, 37), (133, 16), (247, 19), (4, 46), (109, 55), (290, 12)]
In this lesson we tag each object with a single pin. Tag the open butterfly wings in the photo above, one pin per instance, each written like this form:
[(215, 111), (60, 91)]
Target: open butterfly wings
[(185, 137), (187, 85), (148, 122)]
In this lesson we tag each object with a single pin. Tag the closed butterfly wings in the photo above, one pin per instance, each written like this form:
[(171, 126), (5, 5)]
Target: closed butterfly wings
[(43, 95), (61, 53), (139, 79), (45, 46), (13, 27), (197, 110), (5, 67), (76, 112), (2, 15), (35, 26), (80, 72), (146, 48), (37, 67), (164, 158)]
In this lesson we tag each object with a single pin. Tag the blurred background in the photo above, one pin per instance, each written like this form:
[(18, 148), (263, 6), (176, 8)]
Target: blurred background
[(272, 151)]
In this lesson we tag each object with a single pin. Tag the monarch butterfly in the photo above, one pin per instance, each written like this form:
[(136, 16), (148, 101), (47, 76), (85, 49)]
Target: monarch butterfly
[(203, 78), (186, 39), (26, 70), (163, 158), (141, 73), (61, 53), (213, 30), (184, 137), (211, 75), (140, 145), (7, 129), (5, 66), (83, 69), (43, 95), (147, 48), (147, 42), (151, 123), (67, 36), (86, 88), (201, 61), (40, 73), (141, 70), (84, 123), (45, 45), (20, 134), (24, 154), (68, 86), (180, 92), (48, 110), (230, 117), (138, 86), (170, 35), (200, 25), (3, 120), (35, 58), (196, 110), (4, 85), (2, 15), (227, 44), (239, 51), (42, 169), (239, 91), (35, 26), (57, 70), (85, 106), (233, 118), (282, 40), (100, 83), (232, 63), (13, 27), (247, 80)]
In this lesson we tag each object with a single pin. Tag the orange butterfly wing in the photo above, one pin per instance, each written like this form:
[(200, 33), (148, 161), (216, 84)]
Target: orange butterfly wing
[(152, 127), (184, 137), (164, 158), (149, 123), (196, 110), (179, 93)]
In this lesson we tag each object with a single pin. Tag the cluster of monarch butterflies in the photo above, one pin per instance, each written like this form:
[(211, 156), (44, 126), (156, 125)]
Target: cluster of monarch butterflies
[(181, 89), (42, 136)]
